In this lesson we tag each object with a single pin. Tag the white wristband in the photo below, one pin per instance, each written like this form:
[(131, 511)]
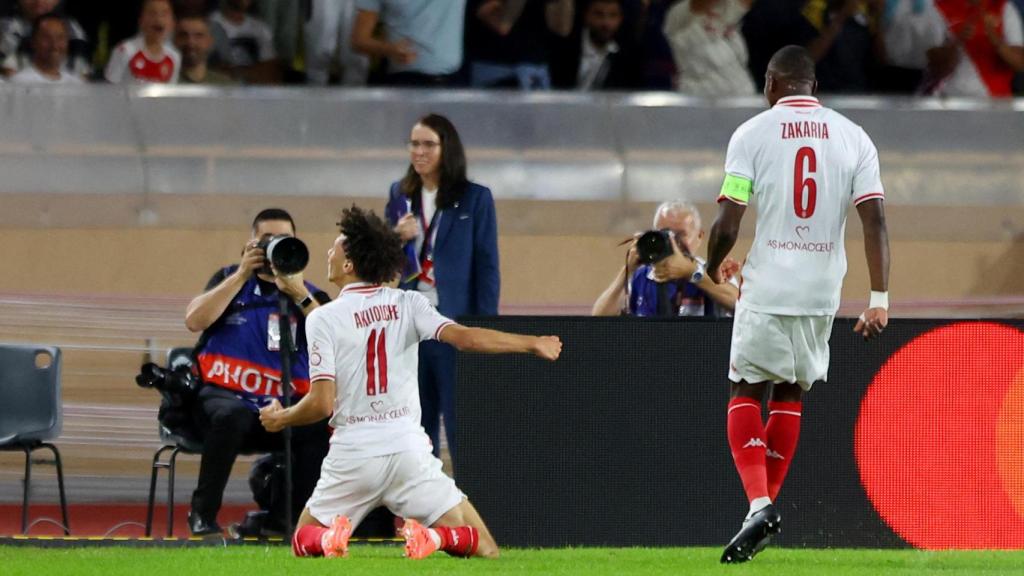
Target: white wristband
[(879, 300)]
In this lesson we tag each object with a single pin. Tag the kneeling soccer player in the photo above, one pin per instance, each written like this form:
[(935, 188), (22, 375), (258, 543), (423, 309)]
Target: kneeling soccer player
[(363, 357)]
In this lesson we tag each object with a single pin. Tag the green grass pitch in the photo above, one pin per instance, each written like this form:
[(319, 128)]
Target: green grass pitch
[(379, 560)]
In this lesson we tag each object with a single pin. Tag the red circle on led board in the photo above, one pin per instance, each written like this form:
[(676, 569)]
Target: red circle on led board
[(939, 440)]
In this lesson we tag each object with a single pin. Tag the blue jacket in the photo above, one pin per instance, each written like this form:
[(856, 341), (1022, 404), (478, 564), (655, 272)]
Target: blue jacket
[(465, 253)]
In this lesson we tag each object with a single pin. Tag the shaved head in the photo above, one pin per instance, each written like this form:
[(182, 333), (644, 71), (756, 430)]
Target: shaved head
[(792, 63), (790, 73)]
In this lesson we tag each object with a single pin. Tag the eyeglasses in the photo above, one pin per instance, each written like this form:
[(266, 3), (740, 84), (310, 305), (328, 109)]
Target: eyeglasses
[(427, 145)]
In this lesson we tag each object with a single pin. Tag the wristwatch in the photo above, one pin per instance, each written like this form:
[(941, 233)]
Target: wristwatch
[(306, 302), (698, 272)]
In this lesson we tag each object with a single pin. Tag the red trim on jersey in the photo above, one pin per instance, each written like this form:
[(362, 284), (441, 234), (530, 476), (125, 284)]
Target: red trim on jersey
[(733, 200), (799, 102), (360, 288), (870, 196), (437, 333), (321, 377)]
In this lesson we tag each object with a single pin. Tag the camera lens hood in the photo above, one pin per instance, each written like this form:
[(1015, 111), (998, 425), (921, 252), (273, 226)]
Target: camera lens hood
[(288, 254)]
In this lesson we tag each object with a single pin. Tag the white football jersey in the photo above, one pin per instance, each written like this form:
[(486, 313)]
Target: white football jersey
[(807, 165), (367, 341)]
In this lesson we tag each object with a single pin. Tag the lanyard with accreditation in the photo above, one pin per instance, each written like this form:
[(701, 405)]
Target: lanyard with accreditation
[(426, 256)]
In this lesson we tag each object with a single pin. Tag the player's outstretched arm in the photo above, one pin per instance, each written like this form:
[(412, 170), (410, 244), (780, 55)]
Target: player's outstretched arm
[(876, 248), (723, 236), (467, 339), (313, 407)]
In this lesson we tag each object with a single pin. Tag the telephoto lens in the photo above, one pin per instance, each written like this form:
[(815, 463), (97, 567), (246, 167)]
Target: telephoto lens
[(287, 254), (654, 246)]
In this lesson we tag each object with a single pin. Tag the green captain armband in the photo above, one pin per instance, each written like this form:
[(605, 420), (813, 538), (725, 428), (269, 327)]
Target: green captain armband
[(737, 189)]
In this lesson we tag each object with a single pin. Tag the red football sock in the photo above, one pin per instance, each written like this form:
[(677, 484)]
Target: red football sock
[(306, 541), (458, 540), (783, 432), (746, 440)]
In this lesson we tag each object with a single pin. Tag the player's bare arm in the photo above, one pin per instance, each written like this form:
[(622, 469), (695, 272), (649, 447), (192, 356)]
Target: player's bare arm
[(313, 407), (467, 339), (723, 236), (876, 248)]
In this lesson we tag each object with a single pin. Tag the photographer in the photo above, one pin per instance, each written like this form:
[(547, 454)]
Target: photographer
[(676, 283), (239, 362)]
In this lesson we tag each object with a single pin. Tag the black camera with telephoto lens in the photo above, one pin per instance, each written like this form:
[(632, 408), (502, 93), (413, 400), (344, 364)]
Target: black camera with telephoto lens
[(179, 382), (654, 246), (287, 254)]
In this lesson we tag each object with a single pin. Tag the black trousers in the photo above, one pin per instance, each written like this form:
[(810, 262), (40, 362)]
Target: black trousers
[(437, 393), (230, 428)]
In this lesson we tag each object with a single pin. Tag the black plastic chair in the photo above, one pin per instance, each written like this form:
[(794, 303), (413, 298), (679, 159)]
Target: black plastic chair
[(31, 413), (173, 443)]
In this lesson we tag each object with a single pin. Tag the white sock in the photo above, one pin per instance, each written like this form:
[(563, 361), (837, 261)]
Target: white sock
[(435, 537), (757, 504)]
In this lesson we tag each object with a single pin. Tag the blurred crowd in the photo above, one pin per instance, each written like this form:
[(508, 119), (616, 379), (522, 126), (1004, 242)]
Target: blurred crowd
[(711, 48)]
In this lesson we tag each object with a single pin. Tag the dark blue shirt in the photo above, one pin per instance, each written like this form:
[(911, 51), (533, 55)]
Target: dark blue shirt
[(686, 299)]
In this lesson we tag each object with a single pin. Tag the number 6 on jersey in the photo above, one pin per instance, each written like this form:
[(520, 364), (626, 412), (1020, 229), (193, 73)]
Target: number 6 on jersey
[(803, 210)]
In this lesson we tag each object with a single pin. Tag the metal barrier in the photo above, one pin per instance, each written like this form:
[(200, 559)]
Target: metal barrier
[(551, 146)]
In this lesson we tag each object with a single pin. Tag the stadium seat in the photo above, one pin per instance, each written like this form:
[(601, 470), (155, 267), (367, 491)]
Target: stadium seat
[(175, 442), (31, 413)]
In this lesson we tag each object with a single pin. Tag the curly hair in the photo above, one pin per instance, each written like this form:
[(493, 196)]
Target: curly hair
[(373, 247)]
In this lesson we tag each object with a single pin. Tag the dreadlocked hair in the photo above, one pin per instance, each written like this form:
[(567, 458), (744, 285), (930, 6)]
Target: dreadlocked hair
[(373, 247)]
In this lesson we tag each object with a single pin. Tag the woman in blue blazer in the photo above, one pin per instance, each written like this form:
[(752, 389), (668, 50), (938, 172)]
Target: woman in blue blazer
[(450, 232)]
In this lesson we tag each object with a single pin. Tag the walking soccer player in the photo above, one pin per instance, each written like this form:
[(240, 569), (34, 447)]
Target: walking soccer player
[(802, 165)]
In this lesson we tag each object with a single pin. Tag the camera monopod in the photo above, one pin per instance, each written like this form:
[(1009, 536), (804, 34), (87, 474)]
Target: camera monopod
[(285, 349), (288, 255)]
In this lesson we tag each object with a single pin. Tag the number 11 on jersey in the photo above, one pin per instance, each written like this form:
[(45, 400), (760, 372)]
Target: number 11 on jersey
[(376, 363)]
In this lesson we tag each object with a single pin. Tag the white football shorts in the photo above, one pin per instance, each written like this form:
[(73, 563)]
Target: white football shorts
[(774, 348), (411, 485)]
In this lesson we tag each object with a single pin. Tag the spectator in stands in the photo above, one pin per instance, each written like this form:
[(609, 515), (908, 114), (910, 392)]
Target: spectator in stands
[(987, 44), (645, 22), (244, 44), (328, 34), (193, 39), (149, 56), (675, 286), (710, 53), (914, 35), (49, 52), (509, 41), (422, 41), (770, 25), (595, 56), (285, 19), (450, 234), (15, 41), (849, 45), (240, 365)]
